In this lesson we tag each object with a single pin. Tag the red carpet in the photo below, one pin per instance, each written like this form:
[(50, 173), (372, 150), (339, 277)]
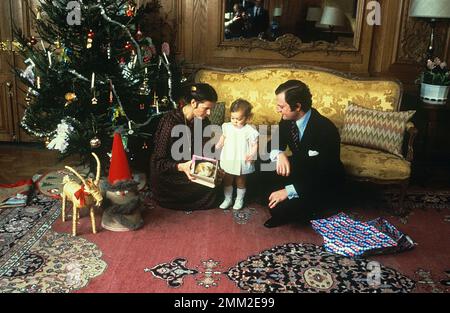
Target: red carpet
[(217, 236)]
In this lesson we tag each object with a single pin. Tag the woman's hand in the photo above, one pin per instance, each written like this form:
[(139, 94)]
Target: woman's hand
[(186, 168)]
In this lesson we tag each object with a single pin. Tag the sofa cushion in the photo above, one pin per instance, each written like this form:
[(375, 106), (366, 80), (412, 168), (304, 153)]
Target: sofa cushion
[(375, 129), (374, 164), (331, 91), (217, 116)]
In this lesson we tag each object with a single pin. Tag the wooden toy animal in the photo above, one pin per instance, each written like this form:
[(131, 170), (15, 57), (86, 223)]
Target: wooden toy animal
[(87, 195)]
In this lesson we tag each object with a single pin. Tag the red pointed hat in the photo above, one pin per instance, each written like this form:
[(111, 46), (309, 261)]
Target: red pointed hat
[(119, 169)]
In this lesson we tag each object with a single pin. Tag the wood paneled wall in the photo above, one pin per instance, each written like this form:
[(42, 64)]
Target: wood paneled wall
[(395, 48)]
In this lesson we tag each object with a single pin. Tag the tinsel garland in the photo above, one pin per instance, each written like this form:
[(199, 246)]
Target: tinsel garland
[(81, 77)]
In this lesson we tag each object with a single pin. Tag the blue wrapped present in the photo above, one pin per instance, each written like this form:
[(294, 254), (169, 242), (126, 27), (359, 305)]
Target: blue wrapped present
[(345, 236)]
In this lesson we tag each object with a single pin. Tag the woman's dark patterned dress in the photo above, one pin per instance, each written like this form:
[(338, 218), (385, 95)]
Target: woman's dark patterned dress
[(171, 188)]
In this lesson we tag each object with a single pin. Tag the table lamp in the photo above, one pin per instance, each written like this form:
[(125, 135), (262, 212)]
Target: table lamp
[(432, 11)]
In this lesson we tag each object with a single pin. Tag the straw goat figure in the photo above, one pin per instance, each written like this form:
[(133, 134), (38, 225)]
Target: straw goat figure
[(87, 195)]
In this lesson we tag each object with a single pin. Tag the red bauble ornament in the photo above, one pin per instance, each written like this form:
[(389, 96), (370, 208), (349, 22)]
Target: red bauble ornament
[(32, 41), (91, 34), (128, 46)]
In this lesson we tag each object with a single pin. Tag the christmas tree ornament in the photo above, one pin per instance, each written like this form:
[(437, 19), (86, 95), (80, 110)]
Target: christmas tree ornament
[(70, 97), (32, 41), (144, 88), (90, 39), (68, 51), (28, 99), (57, 44), (28, 74), (130, 130), (142, 106), (38, 13), (128, 46), (95, 142), (139, 34), (155, 102), (111, 95), (130, 11), (61, 138)]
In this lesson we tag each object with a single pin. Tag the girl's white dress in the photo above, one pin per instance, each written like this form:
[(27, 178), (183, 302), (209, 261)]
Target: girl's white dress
[(238, 143)]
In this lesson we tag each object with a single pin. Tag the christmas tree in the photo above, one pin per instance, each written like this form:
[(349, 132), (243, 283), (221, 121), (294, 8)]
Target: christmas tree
[(91, 73)]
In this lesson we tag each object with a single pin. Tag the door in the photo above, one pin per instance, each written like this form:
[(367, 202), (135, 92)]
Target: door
[(8, 114), (12, 95)]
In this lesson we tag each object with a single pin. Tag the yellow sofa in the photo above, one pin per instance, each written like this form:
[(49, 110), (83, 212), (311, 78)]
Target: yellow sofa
[(331, 92)]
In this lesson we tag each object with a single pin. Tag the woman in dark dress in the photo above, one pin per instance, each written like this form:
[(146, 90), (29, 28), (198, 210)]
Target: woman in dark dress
[(171, 180)]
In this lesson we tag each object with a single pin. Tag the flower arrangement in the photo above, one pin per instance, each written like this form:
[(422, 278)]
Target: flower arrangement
[(437, 73)]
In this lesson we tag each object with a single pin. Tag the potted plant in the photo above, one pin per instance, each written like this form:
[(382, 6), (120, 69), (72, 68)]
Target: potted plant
[(435, 82)]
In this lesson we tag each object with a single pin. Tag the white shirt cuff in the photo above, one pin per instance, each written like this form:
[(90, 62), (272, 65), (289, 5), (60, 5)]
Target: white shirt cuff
[(274, 155), (292, 193)]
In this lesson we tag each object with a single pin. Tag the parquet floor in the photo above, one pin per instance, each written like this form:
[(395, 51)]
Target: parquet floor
[(18, 162)]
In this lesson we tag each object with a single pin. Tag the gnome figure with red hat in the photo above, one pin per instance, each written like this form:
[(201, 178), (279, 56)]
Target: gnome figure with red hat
[(122, 204)]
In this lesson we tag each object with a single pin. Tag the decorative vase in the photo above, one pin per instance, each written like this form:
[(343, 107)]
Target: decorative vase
[(434, 94)]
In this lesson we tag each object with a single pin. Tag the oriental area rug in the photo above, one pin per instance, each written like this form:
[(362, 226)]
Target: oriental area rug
[(33, 258), (216, 251)]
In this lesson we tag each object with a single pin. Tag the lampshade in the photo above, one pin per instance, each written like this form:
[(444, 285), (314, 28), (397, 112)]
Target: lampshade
[(314, 14), (277, 12), (433, 9), (333, 17)]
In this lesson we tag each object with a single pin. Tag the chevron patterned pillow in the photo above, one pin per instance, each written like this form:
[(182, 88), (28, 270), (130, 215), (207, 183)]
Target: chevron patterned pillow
[(375, 129), (217, 116)]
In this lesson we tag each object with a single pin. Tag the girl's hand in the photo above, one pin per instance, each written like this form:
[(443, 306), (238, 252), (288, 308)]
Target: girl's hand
[(186, 168), (250, 158)]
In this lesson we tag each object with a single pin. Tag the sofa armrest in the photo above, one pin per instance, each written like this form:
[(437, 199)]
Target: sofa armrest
[(412, 131)]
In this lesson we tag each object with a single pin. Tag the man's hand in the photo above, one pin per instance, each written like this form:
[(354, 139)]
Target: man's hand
[(277, 197), (283, 165), (186, 168)]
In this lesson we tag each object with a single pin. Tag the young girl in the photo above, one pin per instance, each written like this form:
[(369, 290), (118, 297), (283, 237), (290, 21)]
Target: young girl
[(240, 146)]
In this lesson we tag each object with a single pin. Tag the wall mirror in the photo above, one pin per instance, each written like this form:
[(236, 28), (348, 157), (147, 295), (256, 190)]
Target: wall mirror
[(292, 26)]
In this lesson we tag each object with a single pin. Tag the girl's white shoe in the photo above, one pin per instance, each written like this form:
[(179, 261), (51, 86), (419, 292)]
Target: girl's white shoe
[(226, 203), (238, 204)]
